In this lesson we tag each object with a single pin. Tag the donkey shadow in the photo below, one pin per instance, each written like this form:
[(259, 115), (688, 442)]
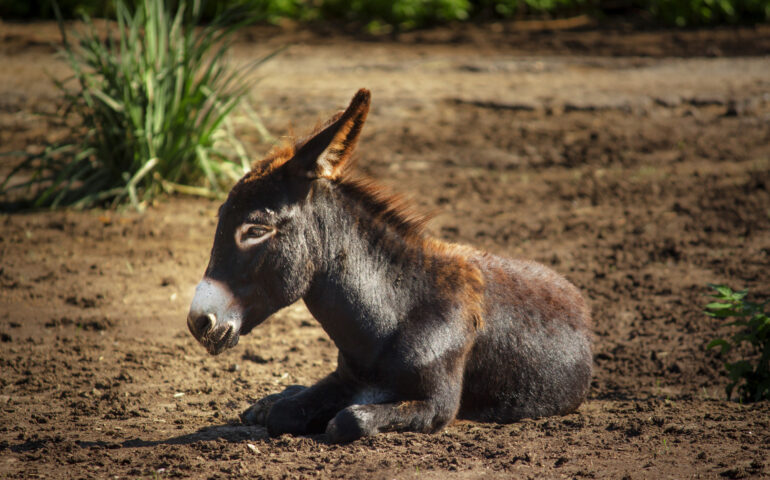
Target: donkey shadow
[(230, 432)]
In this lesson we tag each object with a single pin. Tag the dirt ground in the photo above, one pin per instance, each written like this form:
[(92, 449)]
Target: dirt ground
[(635, 163)]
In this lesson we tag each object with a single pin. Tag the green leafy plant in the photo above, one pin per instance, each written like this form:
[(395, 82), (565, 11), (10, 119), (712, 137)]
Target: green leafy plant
[(402, 14), (707, 12), (511, 8), (149, 104), (750, 374), (385, 15)]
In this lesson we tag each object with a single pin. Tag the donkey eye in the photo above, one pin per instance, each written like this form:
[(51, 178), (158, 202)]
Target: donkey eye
[(255, 231), (253, 234)]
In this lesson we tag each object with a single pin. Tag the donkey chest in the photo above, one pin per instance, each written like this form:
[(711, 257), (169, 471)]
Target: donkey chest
[(357, 335)]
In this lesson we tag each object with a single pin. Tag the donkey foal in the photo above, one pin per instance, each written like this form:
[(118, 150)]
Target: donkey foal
[(427, 331)]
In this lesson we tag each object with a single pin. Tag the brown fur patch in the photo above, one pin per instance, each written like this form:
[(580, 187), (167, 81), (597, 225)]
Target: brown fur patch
[(408, 406), (542, 293), (277, 157), (461, 278)]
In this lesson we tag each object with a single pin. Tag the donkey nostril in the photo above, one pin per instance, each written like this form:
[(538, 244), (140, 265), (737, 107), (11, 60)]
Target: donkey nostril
[(204, 323)]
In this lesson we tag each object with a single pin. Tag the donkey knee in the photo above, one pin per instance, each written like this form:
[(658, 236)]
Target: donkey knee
[(351, 423)]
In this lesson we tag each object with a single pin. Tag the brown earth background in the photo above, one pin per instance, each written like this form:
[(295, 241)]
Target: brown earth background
[(635, 163)]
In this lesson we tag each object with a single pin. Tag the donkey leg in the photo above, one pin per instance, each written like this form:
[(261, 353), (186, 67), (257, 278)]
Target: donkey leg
[(426, 416), (309, 410)]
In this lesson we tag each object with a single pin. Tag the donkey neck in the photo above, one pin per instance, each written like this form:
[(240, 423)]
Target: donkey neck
[(370, 276)]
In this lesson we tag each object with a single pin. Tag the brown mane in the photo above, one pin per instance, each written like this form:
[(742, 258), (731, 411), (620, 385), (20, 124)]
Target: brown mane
[(383, 205)]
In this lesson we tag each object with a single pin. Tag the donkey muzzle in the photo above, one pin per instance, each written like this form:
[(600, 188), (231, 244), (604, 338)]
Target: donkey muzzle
[(214, 320)]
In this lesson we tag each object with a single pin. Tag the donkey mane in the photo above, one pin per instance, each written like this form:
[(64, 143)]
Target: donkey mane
[(383, 205)]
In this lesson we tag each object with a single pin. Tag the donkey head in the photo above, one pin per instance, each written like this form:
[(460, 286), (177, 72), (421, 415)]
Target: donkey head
[(268, 241)]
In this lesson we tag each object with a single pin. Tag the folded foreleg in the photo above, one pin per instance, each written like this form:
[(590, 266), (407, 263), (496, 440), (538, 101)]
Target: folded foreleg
[(426, 416)]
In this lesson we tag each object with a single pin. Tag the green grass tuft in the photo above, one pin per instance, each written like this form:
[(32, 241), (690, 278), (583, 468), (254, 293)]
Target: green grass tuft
[(150, 103)]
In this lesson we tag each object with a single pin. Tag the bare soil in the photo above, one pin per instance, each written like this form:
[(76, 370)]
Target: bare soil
[(635, 163)]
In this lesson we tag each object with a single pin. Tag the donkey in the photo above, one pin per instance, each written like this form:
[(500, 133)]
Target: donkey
[(427, 331)]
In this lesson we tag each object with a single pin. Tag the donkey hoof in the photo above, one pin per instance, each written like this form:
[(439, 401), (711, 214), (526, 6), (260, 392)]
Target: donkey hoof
[(257, 413)]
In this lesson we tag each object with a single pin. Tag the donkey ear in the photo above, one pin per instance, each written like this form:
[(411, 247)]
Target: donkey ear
[(327, 152)]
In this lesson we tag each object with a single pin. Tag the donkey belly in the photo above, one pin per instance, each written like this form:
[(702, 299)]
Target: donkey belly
[(533, 356)]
